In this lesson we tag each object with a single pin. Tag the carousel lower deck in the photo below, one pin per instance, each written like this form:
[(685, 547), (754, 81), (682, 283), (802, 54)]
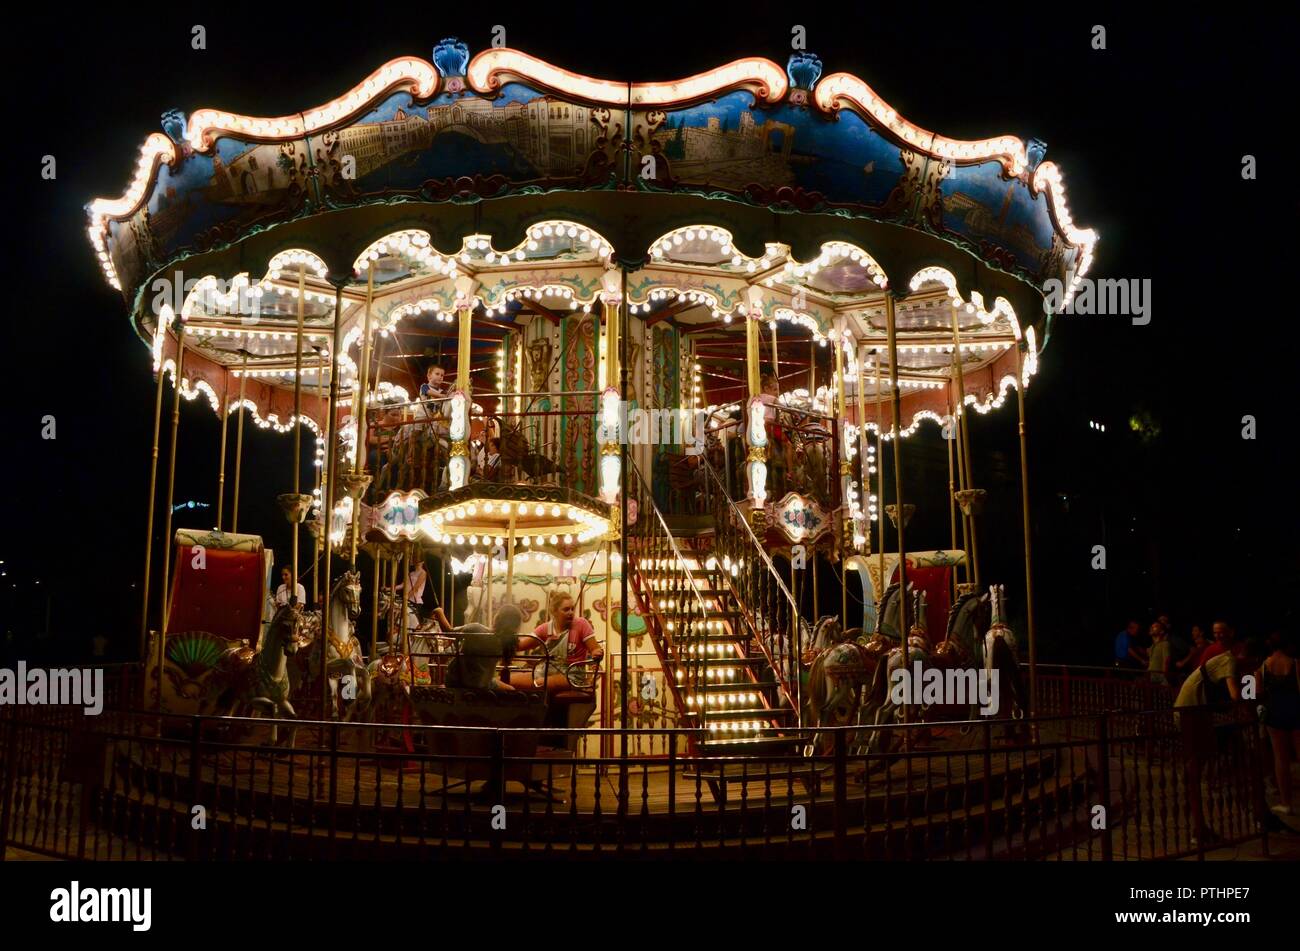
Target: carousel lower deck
[(945, 799), (952, 795)]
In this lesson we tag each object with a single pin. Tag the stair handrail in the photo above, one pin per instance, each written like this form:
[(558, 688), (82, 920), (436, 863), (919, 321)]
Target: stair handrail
[(787, 676), (647, 501)]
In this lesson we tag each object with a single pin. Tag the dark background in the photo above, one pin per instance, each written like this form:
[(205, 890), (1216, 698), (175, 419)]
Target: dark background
[(1150, 132)]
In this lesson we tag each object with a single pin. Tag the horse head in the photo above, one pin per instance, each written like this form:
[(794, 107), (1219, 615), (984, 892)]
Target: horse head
[(284, 630), (827, 632), (348, 590), (964, 636)]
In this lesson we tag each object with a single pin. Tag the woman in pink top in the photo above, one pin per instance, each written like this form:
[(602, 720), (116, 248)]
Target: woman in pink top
[(568, 639)]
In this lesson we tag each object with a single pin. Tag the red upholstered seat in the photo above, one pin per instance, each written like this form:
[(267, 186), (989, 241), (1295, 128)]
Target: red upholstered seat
[(224, 597), (934, 582)]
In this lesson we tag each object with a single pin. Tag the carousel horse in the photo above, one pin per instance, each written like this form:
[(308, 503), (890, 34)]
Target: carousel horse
[(516, 453), (249, 682), (880, 707), (423, 637), (837, 671), (1000, 657), (343, 657), (960, 648)]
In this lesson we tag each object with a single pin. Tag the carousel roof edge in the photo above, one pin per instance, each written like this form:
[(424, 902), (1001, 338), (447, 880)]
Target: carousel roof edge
[(216, 140)]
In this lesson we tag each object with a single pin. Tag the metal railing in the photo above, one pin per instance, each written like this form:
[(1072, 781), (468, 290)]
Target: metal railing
[(766, 604), (663, 580), (803, 453), (127, 787), (409, 445)]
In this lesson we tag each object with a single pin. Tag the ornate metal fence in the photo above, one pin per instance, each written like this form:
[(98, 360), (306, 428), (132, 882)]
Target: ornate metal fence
[(135, 785)]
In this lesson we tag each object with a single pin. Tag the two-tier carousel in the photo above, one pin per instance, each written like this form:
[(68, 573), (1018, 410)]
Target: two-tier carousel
[(652, 346)]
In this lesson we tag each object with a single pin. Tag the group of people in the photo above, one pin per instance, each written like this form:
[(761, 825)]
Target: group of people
[(1169, 658), (1214, 670), (565, 641), (418, 436)]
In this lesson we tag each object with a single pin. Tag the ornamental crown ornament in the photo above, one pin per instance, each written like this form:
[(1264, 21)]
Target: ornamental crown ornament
[(451, 56), (804, 69)]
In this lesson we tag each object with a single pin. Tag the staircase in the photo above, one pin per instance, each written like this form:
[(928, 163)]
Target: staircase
[(719, 618)]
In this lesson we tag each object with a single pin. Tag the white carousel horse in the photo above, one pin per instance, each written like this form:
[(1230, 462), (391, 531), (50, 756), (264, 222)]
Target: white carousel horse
[(343, 656), (256, 682), (1000, 657)]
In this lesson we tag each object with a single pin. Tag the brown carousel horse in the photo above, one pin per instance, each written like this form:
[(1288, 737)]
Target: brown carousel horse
[(518, 454), (838, 667)]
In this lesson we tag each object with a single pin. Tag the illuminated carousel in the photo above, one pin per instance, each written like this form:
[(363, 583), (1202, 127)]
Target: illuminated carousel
[(650, 345)]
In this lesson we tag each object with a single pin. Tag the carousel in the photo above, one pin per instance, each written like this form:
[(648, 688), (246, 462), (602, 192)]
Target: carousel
[(594, 376)]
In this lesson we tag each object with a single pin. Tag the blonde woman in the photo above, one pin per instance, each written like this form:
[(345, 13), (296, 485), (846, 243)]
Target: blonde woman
[(569, 640)]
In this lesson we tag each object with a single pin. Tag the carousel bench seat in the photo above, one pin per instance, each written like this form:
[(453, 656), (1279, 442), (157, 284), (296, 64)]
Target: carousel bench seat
[(469, 751)]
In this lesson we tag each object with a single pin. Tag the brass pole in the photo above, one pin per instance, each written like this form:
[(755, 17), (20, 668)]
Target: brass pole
[(846, 468), (952, 499), (1024, 506), (328, 481), (487, 587), (153, 491), (607, 703), (898, 481), (165, 610), (776, 361), (812, 369), (864, 470), (958, 441), (359, 407), (239, 442), (221, 466), (816, 605), (447, 606), (880, 487), (510, 565), (965, 434), (297, 415), (320, 472), (374, 604), (406, 595)]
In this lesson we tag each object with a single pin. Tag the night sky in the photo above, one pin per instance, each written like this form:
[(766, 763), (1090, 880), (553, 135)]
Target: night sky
[(1198, 522)]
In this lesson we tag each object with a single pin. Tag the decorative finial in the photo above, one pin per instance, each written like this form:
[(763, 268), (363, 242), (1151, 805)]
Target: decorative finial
[(173, 124), (451, 56), (1035, 151), (804, 69)]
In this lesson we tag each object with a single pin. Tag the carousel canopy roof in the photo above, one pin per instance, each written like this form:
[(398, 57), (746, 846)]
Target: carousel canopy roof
[(510, 185)]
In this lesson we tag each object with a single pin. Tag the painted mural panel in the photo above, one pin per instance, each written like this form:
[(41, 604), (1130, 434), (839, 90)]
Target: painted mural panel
[(733, 145)]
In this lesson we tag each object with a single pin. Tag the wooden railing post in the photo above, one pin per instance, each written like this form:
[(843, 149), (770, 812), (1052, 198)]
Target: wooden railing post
[(988, 789), (334, 789), (1103, 769), (841, 782), (195, 771), (9, 768)]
